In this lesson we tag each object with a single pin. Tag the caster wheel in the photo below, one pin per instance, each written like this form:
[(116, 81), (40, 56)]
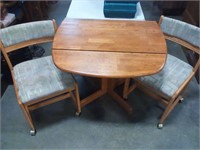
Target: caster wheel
[(126, 99), (160, 126), (78, 113), (33, 132), (181, 100)]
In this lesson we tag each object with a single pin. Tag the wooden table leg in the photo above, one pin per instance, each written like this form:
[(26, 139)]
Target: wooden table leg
[(121, 102), (117, 98), (92, 97), (107, 86), (97, 94)]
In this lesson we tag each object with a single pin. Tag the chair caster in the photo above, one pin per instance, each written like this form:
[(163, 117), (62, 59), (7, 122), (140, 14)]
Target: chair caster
[(33, 132), (159, 125), (78, 113), (125, 98), (181, 100)]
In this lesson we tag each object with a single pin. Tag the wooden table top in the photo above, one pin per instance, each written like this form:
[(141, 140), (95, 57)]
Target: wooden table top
[(109, 48)]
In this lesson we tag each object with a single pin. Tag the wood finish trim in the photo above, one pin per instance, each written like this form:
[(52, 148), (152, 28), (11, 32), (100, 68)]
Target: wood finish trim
[(48, 102), (54, 25), (27, 43), (49, 96), (196, 67), (183, 43), (6, 57), (160, 20), (152, 94), (108, 64)]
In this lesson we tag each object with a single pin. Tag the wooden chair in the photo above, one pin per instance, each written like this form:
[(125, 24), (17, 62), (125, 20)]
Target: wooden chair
[(168, 85), (37, 82)]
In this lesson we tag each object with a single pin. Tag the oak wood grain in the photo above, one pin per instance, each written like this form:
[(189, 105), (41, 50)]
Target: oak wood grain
[(108, 64), (109, 48), (110, 35)]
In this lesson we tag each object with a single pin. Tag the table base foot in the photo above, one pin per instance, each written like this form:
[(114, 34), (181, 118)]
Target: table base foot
[(107, 86), (92, 97), (121, 102)]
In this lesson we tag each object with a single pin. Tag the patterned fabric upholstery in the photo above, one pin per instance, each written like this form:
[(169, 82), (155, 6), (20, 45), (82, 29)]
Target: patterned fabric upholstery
[(167, 82), (40, 77), (27, 31), (182, 30)]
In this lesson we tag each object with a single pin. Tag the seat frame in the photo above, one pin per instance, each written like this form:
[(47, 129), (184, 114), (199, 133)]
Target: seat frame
[(168, 102), (46, 100)]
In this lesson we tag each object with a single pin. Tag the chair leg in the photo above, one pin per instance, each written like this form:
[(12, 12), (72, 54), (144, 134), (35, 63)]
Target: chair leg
[(28, 117), (168, 110), (73, 98), (78, 100)]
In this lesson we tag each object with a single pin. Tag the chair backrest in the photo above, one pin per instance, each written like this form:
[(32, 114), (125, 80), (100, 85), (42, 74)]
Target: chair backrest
[(22, 35), (182, 33)]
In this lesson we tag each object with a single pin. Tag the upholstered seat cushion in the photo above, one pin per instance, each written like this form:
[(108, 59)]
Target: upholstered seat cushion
[(40, 77), (167, 82)]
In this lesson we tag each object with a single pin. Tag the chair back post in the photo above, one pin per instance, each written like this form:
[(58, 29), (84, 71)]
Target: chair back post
[(183, 43), (54, 25), (6, 56), (160, 20), (13, 47), (196, 66)]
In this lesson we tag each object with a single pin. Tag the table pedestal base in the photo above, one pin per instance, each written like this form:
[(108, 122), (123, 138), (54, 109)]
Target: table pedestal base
[(107, 86)]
